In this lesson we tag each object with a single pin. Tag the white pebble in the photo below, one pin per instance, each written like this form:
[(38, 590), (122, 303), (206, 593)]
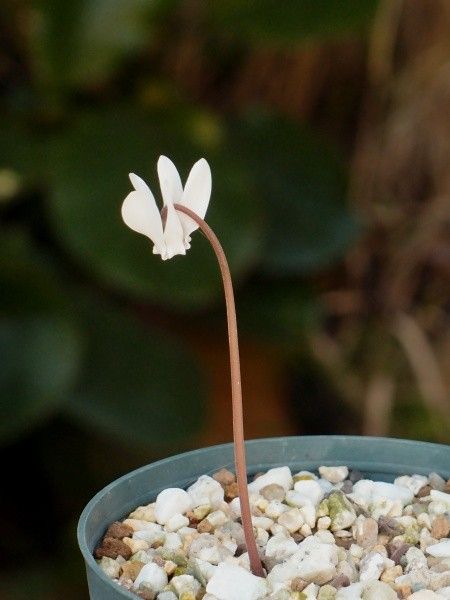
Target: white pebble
[(275, 508), (263, 522), (261, 537), (279, 475), (366, 492), (325, 536), (185, 531), (352, 592), (280, 547), (325, 486), (170, 502), (426, 595), (217, 518), (172, 542), (308, 513), (305, 475), (371, 566), (305, 530), (317, 561), (206, 490), (291, 519), (377, 590), (323, 523), (414, 483), (111, 567), (167, 596), (310, 490), (311, 591), (277, 528), (415, 560), (356, 551), (231, 582), (440, 550), (177, 522), (334, 474), (438, 496), (153, 576), (436, 482), (185, 583)]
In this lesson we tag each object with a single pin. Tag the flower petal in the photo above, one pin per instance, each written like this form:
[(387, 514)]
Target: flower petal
[(173, 234), (196, 195), (140, 213), (169, 180)]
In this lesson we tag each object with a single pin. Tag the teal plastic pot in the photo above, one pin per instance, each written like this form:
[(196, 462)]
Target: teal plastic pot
[(377, 458)]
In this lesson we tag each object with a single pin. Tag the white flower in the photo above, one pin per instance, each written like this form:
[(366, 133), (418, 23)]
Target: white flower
[(140, 212)]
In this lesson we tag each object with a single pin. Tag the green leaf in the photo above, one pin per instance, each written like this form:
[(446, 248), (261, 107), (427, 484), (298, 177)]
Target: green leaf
[(39, 364), (136, 385), (20, 149), (412, 419), (90, 167), (282, 314), (304, 188), (82, 42), (28, 284), (40, 345), (268, 21)]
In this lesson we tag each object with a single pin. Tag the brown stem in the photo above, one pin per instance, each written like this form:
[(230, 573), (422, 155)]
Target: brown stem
[(236, 391)]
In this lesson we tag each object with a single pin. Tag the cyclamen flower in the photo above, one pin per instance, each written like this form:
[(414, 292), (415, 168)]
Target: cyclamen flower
[(140, 212), (184, 211)]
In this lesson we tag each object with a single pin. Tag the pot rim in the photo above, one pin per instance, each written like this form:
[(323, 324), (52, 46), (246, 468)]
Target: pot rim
[(86, 552)]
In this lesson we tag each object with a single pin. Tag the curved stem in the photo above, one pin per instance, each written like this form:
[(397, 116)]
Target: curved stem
[(236, 391)]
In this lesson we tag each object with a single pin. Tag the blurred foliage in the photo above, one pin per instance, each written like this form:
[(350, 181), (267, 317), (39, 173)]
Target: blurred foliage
[(263, 22), (94, 331)]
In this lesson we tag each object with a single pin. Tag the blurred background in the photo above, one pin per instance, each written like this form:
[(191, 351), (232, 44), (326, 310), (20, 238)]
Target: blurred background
[(327, 127)]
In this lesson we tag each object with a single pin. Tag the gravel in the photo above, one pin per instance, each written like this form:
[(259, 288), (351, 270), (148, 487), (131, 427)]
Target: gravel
[(326, 535)]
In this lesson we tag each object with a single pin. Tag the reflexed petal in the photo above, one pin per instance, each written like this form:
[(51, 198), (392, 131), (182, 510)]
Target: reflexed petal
[(196, 195), (173, 234), (140, 213), (169, 180)]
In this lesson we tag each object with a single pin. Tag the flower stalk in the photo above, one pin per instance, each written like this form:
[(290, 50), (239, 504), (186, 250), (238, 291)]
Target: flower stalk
[(236, 390), (170, 231)]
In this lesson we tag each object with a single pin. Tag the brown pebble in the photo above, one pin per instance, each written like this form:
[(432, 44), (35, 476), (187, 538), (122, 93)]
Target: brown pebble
[(240, 549), (367, 535), (344, 542), (440, 528), (146, 594), (231, 491), (355, 475), (340, 581), (389, 526), (424, 491), (224, 477), (204, 526), (438, 567), (297, 537), (112, 548), (159, 560), (347, 487), (396, 551), (298, 584), (273, 491), (119, 530), (130, 570), (193, 521), (404, 591)]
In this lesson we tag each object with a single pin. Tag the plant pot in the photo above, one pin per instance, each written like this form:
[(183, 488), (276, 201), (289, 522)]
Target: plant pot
[(377, 458)]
